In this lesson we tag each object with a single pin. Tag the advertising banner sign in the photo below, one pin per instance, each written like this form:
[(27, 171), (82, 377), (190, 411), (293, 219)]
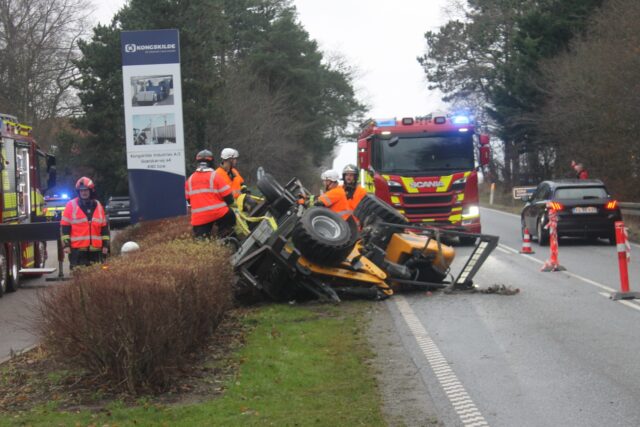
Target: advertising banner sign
[(153, 123)]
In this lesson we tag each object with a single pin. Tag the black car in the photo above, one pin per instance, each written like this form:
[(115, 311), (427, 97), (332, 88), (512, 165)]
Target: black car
[(117, 210), (585, 209)]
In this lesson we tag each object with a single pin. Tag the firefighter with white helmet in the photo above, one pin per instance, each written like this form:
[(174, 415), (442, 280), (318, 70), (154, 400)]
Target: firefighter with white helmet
[(210, 198), (84, 228), (354, 192), (334, 196), (228, 169)]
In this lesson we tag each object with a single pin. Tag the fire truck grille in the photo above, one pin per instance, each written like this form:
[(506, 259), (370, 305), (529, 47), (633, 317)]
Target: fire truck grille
[(423, 200), (431, 210)]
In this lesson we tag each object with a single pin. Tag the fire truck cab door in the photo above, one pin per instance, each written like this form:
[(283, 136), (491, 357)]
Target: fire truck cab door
[(23, 180)]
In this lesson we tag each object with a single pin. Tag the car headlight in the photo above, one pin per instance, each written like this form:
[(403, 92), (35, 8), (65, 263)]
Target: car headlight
[(470, 211)]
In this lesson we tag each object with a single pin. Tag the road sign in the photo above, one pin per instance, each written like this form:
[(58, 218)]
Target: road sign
[(520, 192)]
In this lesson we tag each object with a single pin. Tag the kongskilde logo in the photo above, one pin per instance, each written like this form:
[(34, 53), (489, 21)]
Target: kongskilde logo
[(132, 48), (427, 184)]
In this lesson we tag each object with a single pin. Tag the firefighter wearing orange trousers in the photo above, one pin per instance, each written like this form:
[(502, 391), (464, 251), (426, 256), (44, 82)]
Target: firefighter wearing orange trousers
[(334, 196), (84, 228), (209, 194)]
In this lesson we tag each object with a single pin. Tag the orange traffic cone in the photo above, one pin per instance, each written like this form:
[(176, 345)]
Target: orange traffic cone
[(526, 243)]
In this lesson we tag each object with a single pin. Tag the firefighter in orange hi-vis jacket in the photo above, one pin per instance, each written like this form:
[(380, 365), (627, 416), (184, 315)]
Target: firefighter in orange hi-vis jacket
[(84, 228), (209, 194), (334, 196)]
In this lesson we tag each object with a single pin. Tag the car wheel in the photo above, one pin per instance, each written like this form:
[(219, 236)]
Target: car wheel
[(611, 240), (323, 237), (4, 279), (14, 272), (543, 235)]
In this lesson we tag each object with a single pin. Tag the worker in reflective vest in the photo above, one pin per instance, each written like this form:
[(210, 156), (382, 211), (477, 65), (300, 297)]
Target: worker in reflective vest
[(334, 196), (228, 169), (84, 228), (354, 192), (210, 197)]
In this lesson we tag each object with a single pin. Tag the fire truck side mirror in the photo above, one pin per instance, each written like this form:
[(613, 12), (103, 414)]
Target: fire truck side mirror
[(51, 170), (363, 159), (485, 155)]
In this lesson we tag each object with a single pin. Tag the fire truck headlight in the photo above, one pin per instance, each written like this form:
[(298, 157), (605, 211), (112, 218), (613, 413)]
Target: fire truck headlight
[(394, 186), (460, 120), (460, 181), (471, 211)]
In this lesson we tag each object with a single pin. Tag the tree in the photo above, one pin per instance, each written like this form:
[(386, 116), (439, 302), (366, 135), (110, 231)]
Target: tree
[(38, 44)]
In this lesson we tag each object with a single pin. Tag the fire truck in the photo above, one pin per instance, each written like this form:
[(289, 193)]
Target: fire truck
[(425, 167), (25, 173)]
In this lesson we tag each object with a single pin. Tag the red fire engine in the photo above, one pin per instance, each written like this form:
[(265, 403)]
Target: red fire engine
[(25, 173), (425, 167)]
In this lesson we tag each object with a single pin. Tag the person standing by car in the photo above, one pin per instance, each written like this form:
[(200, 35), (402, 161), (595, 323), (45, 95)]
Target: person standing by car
[(334, 197), (354, 192), (209, 194), (84, 228), (581, 172)]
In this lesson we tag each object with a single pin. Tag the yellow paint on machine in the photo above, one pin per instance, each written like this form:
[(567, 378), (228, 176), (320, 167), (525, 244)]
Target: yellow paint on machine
[(446, 180)]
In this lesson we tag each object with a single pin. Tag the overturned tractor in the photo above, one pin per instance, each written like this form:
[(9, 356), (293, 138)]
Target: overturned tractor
[(294, 251)]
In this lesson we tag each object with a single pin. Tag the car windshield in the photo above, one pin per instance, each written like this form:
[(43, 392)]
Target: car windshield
[(581, 193), (418, 154)]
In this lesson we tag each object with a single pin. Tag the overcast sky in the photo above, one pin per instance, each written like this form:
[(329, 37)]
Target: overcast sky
[(381, 39)]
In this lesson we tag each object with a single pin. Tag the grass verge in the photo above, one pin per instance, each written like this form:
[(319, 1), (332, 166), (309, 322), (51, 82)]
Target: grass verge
[(301, 365)]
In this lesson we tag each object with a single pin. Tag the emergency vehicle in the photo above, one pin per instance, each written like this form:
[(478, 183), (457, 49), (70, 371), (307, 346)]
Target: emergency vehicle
[(425, 167), (26, 172)]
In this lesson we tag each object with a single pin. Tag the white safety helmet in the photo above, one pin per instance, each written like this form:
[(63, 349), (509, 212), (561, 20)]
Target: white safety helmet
[(330, 175), (229, 153), (129, 247)]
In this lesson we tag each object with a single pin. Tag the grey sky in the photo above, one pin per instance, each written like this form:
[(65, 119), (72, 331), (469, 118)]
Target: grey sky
[(381, 39)]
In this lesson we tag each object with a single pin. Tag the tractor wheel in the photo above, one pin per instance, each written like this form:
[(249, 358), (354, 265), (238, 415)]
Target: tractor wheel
[(14, 276), (4, 271), (371, 207), (323, 237), (270, 188)]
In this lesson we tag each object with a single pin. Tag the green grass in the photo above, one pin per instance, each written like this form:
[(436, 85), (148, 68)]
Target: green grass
[(302, 365)]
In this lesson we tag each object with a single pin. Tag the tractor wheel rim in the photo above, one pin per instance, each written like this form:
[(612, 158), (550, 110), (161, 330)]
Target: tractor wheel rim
[(326, 227)]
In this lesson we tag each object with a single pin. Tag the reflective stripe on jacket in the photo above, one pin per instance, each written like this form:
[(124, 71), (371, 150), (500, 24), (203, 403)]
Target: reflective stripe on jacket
[(336, 200), (206, 190), (234, 180), (84, 233)]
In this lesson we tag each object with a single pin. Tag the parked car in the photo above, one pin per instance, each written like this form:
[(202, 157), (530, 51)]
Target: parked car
[(117, 210), (585, 209)]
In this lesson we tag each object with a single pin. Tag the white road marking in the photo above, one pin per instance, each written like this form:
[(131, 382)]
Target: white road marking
[(633, 305), (453, 388)]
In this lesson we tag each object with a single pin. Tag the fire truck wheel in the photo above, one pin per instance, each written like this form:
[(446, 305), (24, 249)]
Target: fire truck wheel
[(3, 271), (14, 277), (371, 207), (323, 237)]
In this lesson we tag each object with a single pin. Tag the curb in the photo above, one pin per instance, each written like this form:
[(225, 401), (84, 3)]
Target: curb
[(17, 353)]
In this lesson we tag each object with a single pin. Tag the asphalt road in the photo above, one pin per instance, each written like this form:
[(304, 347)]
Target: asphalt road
[(17, 308), (559, 353)]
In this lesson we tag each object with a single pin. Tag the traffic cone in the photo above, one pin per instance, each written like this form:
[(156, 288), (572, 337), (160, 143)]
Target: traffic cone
[(526, 243)]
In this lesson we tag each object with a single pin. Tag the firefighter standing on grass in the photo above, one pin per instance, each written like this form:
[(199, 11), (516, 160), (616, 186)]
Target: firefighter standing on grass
[(334, 197), (210, 197), (84, 228)]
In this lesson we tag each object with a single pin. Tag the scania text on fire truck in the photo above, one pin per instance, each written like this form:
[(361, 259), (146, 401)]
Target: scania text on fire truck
[(425, 167), (25, 173)]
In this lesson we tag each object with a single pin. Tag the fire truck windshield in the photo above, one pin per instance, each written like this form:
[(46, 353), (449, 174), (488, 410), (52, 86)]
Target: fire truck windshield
[(412, 155)]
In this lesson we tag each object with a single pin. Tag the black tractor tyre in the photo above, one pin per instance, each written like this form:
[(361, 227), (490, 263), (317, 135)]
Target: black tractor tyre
[(323, 237), (371, 207), (270, 188)]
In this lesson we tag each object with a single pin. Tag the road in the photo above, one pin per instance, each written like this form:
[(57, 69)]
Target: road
[(559, 353), (16, 309)]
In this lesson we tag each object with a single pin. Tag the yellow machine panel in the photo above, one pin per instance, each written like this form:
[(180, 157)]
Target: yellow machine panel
[(402, 245)]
